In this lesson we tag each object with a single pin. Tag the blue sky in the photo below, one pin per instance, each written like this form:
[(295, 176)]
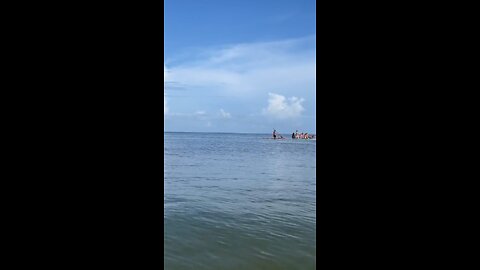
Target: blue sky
[(240, 66)]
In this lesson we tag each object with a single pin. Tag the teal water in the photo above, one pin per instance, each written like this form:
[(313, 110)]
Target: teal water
[(239, 201)]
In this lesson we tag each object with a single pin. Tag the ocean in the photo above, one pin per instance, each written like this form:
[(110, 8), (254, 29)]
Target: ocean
[(239, 201)]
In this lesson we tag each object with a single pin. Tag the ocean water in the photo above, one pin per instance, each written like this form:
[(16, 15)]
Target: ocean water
[(239, 201)]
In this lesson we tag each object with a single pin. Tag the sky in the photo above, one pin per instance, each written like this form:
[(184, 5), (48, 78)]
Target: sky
[(240, 66)]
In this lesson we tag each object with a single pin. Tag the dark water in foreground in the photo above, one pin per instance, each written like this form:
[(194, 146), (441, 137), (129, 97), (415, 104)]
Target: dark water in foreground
[(239, 201)]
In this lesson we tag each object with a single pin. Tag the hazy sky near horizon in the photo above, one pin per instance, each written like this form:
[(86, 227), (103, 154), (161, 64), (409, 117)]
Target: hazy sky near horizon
[(240, 66)]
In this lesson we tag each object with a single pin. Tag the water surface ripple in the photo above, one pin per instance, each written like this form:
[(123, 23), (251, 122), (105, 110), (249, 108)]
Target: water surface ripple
[(239, 201)]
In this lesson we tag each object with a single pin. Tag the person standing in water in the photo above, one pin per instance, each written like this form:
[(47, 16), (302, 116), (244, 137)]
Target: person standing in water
[(274, 134)]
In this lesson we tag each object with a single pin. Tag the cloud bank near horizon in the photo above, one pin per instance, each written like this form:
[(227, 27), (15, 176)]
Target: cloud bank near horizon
[(282, 108)]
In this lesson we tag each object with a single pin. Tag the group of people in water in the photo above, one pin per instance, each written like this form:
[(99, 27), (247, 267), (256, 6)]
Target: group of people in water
[(295, 135), (302, 135)]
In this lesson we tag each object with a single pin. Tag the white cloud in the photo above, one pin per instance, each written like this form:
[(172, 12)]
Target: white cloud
[(251, 69), (225, 114), (282, 108)]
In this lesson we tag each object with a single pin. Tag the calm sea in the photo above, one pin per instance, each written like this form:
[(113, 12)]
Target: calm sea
[(239, 201)]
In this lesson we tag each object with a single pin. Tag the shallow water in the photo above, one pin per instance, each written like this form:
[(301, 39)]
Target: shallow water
[(239, 201)]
